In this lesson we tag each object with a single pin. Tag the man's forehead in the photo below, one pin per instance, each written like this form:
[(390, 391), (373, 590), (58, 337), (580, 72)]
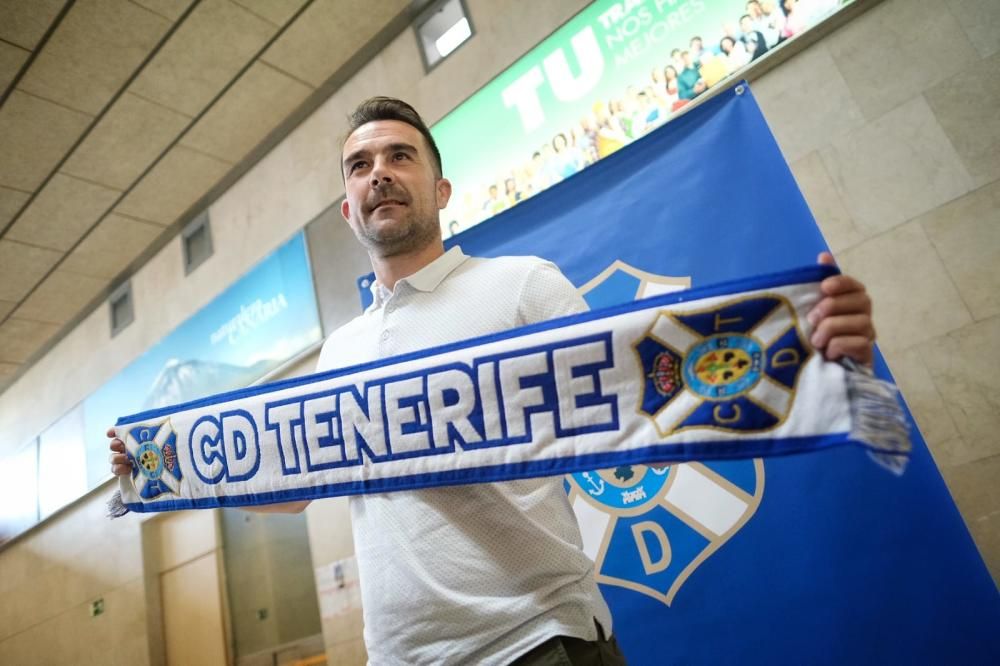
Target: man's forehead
[(371, 136)]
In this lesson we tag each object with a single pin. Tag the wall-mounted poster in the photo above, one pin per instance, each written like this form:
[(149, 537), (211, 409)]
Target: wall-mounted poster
[(264, 319), (611, 74)]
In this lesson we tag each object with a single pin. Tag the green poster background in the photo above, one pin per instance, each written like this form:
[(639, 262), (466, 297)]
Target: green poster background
[(484, 140)]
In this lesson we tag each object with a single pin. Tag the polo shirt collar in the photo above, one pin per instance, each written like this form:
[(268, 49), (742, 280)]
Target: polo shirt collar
[(427, 278)]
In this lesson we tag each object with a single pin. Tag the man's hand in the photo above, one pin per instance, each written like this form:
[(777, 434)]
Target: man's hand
[(120, 466), (842, 320)]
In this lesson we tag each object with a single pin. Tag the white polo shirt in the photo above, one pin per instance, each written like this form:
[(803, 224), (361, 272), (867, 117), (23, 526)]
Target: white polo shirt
[(475, 574)]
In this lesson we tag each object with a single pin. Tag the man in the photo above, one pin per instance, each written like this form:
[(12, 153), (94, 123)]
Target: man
[(489, 573)]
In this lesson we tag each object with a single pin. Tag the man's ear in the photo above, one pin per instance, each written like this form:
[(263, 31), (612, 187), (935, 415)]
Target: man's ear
[(443, 189), (345, 209)]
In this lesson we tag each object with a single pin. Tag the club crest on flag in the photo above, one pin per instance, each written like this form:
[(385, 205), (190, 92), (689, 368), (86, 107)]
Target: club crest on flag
[(649, 529), (152, 450), (733, 367)]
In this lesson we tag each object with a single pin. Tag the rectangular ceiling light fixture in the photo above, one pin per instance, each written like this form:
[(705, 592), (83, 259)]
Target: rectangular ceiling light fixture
[(442, 28)]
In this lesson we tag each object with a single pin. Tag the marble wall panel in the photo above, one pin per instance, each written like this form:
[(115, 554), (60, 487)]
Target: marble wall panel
[(966, 235), (966, 105), (914, 297), (807, 103), (895, 168), (925, 402), (977, 494), (981, 21), (827, 207), (899, 49), (964, 366)]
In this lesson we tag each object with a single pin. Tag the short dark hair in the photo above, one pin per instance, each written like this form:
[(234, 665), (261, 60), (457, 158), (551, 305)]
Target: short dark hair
[(390, 108)]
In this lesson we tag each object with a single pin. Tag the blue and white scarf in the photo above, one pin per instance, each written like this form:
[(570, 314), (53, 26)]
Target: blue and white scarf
[(718, 372)]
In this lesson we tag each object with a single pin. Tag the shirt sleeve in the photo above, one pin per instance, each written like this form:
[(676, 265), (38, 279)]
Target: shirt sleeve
[(547, 294)]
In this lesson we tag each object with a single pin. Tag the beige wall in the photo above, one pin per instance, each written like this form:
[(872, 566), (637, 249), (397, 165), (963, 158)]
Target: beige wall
[(890, 126)]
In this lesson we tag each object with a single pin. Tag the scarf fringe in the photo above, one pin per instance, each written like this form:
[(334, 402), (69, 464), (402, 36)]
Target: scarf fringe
[(116, 507), (877, 418)]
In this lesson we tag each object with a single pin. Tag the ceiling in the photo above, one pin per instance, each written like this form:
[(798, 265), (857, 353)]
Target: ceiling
[(122, 119)]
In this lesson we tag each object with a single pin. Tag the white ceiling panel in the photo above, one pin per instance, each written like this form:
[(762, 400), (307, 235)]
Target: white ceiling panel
[(327, 34), (35, 134), (25, 21), (12, 58), (59, 297), (93, 52), (254, 106), (277, 12), (21, 267), (11, 201), (62, 212), (171, 9), (127, 139), (19, 339), (111, 246), (150, 104), (204, 55), (173, 185)]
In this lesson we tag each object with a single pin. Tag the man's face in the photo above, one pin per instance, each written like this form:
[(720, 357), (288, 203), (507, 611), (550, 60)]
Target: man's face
[(745, 24), (393, 192)]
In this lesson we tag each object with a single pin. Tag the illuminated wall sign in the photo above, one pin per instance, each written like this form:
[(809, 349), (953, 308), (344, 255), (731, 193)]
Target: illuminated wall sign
[(615, 71)]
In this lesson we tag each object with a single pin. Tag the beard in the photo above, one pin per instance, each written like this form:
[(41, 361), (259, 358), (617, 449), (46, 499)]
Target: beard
[(412, 230)]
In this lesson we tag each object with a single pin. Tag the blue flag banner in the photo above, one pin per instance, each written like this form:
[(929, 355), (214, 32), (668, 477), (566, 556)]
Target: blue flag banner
[(808, 559)]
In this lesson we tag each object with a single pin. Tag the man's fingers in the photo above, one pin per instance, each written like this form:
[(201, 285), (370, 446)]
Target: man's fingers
[(111, 431), (843, 325), (856, 302), (117, 445), (826, 259), (840, 284), (855, 347)]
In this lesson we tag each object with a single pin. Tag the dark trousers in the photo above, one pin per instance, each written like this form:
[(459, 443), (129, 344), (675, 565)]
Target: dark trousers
[(566, 651)]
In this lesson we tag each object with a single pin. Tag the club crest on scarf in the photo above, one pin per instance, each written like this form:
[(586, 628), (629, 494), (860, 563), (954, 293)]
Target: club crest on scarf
[(152, 450), (649, 529), (732, 367)]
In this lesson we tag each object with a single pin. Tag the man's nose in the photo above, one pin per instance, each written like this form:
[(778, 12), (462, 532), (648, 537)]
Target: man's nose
[(381, 175)]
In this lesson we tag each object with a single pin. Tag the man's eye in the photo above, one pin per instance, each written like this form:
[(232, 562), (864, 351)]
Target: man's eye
[(356, 165), (401, 156)]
